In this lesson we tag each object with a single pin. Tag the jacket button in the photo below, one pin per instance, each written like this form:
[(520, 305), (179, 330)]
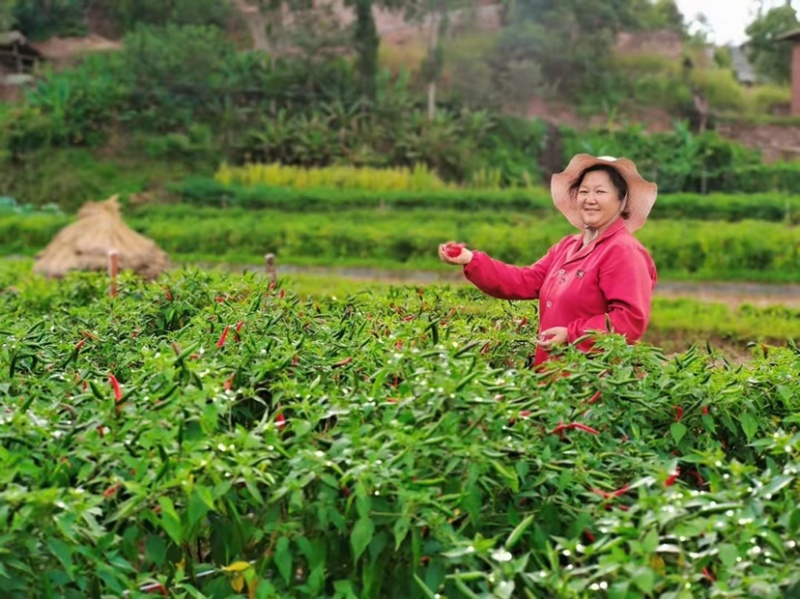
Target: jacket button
[(549, 304), (562, 271)]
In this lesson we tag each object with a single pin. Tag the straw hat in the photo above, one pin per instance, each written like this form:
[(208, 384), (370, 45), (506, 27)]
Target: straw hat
[(641, 193)]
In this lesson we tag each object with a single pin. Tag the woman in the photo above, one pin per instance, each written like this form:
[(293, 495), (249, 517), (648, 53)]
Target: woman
[(587, 281)]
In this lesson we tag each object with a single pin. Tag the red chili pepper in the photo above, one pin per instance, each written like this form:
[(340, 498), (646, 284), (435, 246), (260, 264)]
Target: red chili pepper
[(589, 536), (409, 318), (609, 495), (398, 344), (112, 490), (272, 285), (678, 413), (224, 336), (101, 430), (282, 294), (709, 575), (79, 345), (280, 420), (295, 360), (672, 478), (525, 414), (705, 410), (595, 397), (584, 428), (239, 326), (574, 425), (392, 400), (452, 250), (229, 382), (156, 587), (168, 294), (344, 362), (485, 348), (115, 385)]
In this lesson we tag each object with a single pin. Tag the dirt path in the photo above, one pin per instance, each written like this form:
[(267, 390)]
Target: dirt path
[(732, 293)]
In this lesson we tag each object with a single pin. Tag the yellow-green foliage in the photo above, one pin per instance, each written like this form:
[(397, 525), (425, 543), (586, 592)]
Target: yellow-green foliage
[(420, 178), (721, 88), (764, 99)]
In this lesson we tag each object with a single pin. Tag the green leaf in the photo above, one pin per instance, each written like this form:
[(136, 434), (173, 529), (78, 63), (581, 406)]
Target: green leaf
[(678, 432), (749, 425), (64, 554), (156, 549), (198, 507), (401, 527), (283, 559), (170, 521), (794, 521), (645, 579), (650, 541), (361, 536), (728, 554)]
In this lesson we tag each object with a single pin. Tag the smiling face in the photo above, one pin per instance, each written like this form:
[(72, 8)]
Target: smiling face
[(599, 201)]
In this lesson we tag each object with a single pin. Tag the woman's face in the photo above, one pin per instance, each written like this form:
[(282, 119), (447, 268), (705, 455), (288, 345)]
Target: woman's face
[(598, 200)]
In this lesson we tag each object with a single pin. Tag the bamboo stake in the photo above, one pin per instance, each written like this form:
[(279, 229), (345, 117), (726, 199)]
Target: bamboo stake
[(269, 262), (113, 269)]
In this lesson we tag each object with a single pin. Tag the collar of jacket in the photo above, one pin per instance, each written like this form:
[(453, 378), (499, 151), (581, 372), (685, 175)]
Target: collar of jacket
[(615, 227)]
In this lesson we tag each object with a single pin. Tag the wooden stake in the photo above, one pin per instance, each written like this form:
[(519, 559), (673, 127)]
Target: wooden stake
[(113, 269)]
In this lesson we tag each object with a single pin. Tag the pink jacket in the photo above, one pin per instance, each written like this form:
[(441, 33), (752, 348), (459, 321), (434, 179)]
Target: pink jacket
[(579, 288)]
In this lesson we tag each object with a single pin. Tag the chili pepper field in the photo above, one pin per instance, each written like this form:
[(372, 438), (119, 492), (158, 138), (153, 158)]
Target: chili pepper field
[(210, 435)]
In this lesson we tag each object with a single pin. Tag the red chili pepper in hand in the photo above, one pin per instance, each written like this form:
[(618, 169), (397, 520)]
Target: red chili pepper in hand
[(224, 336), (452, 250)]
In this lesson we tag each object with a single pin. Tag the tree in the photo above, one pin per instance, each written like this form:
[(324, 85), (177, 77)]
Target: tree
[(771, 57), (7, 18), (650, 15)]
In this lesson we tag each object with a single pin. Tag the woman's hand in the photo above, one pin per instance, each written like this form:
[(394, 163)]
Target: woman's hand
[(454, 253), (552, 337)]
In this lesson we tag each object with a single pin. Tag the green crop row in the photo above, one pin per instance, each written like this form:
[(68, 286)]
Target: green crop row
[(696, 249), (773, 206), (208, 435)]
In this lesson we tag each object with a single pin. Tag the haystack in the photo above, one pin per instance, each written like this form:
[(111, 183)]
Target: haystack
[(84, 245)]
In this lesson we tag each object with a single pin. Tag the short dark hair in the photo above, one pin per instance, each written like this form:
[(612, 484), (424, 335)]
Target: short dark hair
[(617, 180)]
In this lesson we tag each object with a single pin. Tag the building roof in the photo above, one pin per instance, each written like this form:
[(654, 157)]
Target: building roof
[(9, 38), (789, 36)]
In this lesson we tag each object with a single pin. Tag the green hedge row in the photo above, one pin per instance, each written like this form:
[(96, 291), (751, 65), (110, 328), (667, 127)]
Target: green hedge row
[(773, 207), (708, 250)]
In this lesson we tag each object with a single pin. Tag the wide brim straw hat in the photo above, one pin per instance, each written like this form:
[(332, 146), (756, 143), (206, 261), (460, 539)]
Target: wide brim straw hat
[(641, 194)]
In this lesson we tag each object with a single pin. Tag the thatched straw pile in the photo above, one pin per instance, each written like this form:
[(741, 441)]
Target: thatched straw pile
[(84, 245)]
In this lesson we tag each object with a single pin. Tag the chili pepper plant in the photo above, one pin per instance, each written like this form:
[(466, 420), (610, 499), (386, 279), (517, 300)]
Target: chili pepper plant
[(213, 435)]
